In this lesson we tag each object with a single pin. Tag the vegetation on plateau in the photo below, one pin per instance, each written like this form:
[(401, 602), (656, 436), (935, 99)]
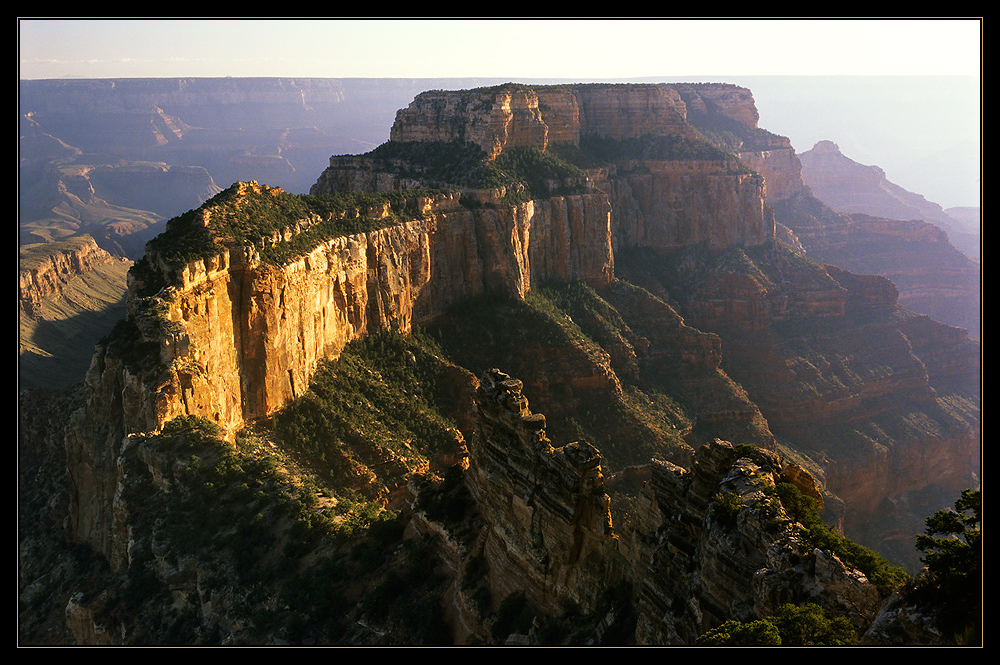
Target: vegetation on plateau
[(733, 135), (595, 151), (260, 217), (528, 171)]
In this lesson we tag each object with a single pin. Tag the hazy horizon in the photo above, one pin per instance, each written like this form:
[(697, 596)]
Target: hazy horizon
[(862, 84)]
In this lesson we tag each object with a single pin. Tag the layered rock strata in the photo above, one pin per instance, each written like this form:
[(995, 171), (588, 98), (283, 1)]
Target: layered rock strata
[(282, 320), (232, 339), (656, 202), (688, 565), (705, 566), (235, 338), (549, 531), (510, 116), (45, 269)]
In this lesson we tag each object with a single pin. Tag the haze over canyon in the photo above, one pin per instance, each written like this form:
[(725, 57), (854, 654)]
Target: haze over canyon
[(311, 361)]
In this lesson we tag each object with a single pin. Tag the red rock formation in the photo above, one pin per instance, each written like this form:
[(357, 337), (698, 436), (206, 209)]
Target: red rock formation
[(885, 230), (549, 531), (511, 115), (45, 268), (688, 566)]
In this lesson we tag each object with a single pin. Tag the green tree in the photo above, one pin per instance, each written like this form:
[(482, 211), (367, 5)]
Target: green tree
[(791, 625), (798, 506), (805, 511), (953, 553), (738, 634), (808, 625)]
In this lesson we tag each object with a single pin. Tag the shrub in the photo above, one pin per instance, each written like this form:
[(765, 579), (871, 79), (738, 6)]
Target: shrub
[(805, 511), (791, 625), (726, 506)]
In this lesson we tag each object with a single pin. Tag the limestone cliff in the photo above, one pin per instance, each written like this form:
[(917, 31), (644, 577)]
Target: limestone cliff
[(236, 337), (240, 304), (45, 270), (67, 292), (727, 115), (668, 187), (510, 116), (549, 533), (678, 567)]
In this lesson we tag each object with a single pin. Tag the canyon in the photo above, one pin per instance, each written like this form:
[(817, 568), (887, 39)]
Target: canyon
[(936, 268), (665, 276)]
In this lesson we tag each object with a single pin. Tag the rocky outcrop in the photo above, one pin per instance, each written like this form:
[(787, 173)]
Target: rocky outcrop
[(509, 116), (706, 565), (728, 115), (549, 532), (235, 338), (780, 168), (283, 320), (44, 270), (688, 564)]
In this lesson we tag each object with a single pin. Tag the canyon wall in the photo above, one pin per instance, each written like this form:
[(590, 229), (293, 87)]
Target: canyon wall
[(678, 567), (284, 320), (67, 293), (875, 227), (663, 204), (45, 270), (510, 116), (235, 339), (549, 532), (671, 205)]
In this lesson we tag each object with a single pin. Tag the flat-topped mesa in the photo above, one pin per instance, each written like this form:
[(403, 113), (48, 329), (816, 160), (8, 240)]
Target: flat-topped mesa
[(242, 299), (668, 186), (513, 115)]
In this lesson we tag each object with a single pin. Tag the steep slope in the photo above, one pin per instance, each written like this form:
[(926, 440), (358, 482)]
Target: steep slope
[(884, 403), (68, 291), (294, 369), (850, 187)]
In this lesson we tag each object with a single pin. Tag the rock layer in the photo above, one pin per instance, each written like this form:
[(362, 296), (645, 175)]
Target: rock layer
[(687, 565)]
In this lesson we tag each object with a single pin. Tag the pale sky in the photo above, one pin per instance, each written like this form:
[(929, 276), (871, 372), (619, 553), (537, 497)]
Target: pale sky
[(534, 48), (897, 126)]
